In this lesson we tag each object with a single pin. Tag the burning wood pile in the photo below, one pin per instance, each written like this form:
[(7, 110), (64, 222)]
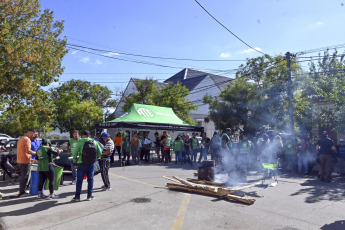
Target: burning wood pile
[(210, 188)]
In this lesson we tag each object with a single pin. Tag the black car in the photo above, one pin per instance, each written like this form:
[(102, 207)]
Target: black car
[(63, 161)]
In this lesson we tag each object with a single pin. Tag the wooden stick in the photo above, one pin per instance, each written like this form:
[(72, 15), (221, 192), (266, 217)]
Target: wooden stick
[(171, 179), (208, 192), (244, 187)]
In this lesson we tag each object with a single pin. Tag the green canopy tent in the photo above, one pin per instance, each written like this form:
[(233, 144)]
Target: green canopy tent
[(150, 117)]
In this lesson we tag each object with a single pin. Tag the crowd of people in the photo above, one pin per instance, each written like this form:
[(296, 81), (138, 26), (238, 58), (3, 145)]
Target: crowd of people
[(90, 155)]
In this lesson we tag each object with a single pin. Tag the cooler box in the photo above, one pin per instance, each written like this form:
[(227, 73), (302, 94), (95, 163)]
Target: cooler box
[(35, 179), (58, 174)]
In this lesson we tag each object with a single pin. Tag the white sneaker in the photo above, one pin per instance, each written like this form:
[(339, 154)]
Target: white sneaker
[(52, 197)]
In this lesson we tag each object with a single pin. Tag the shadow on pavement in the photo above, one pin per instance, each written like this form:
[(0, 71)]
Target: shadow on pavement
[(337, 225), (317, 191)]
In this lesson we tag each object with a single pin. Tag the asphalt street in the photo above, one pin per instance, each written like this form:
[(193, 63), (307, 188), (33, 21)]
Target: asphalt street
[(139, 200)]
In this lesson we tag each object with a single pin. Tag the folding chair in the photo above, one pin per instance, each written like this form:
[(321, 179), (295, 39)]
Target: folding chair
[(270, 169)]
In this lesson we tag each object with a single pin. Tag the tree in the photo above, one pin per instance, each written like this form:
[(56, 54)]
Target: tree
[(146, 93), (173, 96), (79, 105), (30, 52), (256, 98), (324, 86)]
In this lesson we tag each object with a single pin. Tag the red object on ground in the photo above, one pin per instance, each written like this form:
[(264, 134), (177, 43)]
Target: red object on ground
[(85, 176)]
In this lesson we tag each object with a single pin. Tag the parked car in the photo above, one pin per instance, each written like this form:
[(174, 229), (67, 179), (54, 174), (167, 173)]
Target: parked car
[(4, 137)]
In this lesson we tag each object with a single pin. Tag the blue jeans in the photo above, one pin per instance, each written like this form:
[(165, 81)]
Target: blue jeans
[(303, 160), (178, 156), (89, 170), (74, 174), (203, 153), (194, 153)]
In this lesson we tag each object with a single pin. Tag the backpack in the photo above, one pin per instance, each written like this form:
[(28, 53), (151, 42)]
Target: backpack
[(89, 155), (215, 143)]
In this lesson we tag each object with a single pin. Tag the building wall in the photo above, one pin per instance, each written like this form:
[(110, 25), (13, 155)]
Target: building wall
[(206, 86), (131, 88)]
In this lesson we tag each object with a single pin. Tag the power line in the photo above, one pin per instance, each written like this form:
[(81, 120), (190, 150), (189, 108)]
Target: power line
[(227, 28), (119, 73), (156, 57)]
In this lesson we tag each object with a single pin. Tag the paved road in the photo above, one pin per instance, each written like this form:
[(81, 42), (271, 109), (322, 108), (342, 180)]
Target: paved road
[(139, 200)]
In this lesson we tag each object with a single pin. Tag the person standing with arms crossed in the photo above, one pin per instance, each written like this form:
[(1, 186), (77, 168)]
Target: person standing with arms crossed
[(72, 143), (105, 160), (24, 154)]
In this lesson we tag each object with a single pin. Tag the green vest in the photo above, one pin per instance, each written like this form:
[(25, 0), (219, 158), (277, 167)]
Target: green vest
[(167, 142), (194, 143), (178, 145), (126, 145), (43, 159), (245, 147), (206, 142), (229, 140), (290, 147), (72, 144)]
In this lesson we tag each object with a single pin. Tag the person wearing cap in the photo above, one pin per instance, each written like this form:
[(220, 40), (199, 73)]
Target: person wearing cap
[(104, 162), (45, 168), (72, 143), (226, 140), (83, 169), (341, 157), (24, 160), (326, 148)]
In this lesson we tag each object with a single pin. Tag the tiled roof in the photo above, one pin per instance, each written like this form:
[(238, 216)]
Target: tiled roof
[(191, 78)]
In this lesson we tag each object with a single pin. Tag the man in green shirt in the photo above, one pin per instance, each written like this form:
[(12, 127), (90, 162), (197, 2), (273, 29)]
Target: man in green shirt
[(205, 143), (194, 146), (72, 143), (86, 150)]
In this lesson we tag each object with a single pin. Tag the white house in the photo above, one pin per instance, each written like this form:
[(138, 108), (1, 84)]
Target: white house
[(199, 84)]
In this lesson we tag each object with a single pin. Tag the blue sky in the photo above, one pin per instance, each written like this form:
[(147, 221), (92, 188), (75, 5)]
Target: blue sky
[(181, 29)]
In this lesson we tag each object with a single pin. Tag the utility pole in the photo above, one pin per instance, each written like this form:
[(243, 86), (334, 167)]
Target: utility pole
[(288, 56)]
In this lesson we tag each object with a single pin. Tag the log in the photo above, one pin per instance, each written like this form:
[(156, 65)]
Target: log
[(208, 192), (205, 182), (219, 190), (240, 199), (190, 189)]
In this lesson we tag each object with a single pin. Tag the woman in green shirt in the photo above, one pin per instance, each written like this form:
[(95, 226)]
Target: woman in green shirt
[(126, 149), (45, 168), (178, 146)]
